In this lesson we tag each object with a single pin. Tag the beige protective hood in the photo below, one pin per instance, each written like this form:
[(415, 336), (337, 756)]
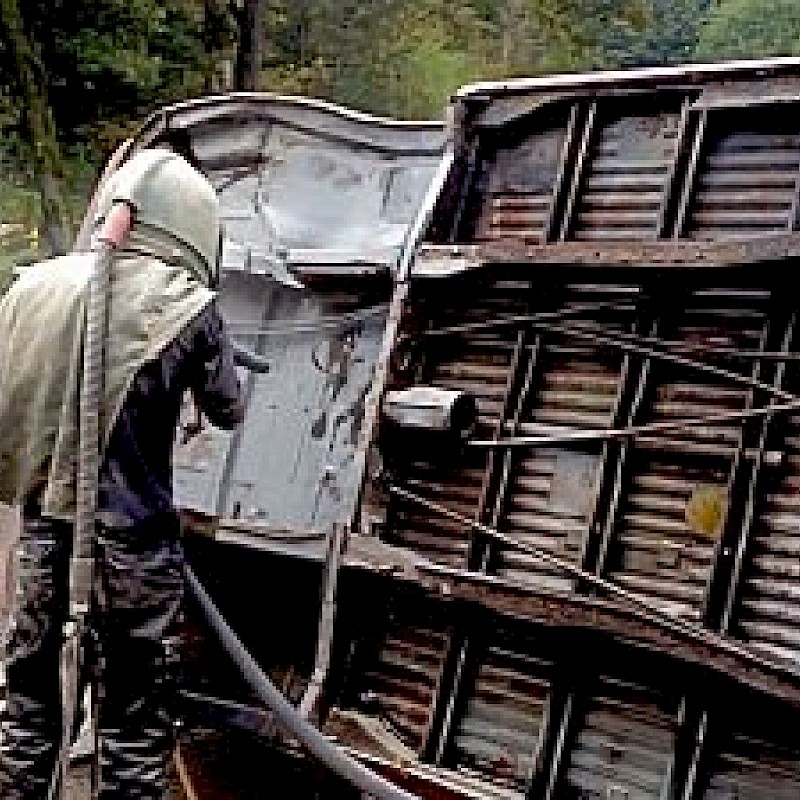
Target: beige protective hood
[(160, 281)]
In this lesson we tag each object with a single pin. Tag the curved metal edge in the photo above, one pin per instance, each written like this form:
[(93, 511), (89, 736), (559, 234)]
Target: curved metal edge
[(305, 113), (695, 72)]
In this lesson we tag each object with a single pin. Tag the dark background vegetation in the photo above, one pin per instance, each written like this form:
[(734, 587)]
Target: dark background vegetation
[(79, 75)]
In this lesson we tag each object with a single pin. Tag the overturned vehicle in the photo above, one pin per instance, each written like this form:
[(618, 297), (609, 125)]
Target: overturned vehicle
[(515, 511)]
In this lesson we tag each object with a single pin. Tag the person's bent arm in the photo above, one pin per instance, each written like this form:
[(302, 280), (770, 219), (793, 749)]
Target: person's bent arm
[(215, 384)]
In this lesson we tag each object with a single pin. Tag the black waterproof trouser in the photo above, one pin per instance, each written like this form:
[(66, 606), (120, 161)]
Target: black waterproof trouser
[(140, 595)]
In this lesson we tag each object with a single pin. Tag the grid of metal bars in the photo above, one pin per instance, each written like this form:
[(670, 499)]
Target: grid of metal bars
[(696, 521)]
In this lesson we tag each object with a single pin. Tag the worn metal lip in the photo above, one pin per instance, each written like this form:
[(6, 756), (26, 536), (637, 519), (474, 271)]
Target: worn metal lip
[(737, 102), (303, 113), (731, 259), (624, 78), (218, 102)]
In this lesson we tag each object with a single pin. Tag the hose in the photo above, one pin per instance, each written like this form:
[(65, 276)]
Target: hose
[(245, 357), (286, 715), (81, 568)]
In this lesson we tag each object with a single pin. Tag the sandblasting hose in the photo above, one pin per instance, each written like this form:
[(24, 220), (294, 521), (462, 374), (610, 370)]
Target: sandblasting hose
[(245, 357), (286, 715), (81, 572)]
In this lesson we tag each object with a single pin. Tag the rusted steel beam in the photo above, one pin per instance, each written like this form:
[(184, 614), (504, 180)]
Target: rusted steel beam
[(603, 514), (632, 258), (566, 163), (573, 612), (639, 605), (629, 344), (577, 174), (563, 436), (495, 483), (674, 179), (689, 177), (366, 554)]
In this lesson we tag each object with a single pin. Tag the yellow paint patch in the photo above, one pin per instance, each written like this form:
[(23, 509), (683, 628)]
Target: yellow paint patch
[(705, 510)]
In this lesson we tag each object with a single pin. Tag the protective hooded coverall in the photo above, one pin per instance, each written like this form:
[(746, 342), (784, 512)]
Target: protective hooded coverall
[(164, 338)]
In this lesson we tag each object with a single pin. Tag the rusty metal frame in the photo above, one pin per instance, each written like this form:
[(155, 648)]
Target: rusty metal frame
[(675, 178), (565, 167), (519, 382), (586, 137), (668, 257)]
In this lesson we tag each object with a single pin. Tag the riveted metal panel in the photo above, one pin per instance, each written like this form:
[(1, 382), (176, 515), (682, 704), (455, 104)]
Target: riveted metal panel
[(627, 175), (747, 179), (500, 730), (623, 744)]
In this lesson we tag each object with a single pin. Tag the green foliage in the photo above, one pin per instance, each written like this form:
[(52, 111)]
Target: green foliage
[(104, 64), (111, 61), (19, 207), (419, 54), (107, 63), (645, 32), (751, 29)]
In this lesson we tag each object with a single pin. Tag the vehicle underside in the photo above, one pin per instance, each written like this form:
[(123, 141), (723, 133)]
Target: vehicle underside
[(514, 512)]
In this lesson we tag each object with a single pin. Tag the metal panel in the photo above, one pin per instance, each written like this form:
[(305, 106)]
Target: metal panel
[(522, 183), (292, 461), (402, 674), (678, 485), (623, 747), (300, 184), (627, 173), (754, 769), (481, 364), (768, 614), (498, 735), (200, 465), (287, 189), (747, 178), (552, 491)]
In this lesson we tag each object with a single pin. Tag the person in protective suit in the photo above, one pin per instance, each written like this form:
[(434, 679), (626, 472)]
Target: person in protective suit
[(164, 338)]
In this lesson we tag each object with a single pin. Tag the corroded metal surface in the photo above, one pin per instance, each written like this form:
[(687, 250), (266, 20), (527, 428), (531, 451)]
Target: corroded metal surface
[(605, 258), (596, 262)]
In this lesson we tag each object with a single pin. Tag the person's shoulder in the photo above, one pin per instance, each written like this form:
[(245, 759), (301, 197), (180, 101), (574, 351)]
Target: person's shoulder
[(73, 270)]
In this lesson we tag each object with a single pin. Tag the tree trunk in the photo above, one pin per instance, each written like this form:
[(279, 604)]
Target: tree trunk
[(248, 55), (219, 39), (40, 130)]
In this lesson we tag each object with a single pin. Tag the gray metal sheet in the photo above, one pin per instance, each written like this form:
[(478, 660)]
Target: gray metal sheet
[(301, 184), (292, 191), (291, 461)]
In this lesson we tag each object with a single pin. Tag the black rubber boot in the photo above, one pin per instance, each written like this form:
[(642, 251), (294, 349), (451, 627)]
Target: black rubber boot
[(31, 722)]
